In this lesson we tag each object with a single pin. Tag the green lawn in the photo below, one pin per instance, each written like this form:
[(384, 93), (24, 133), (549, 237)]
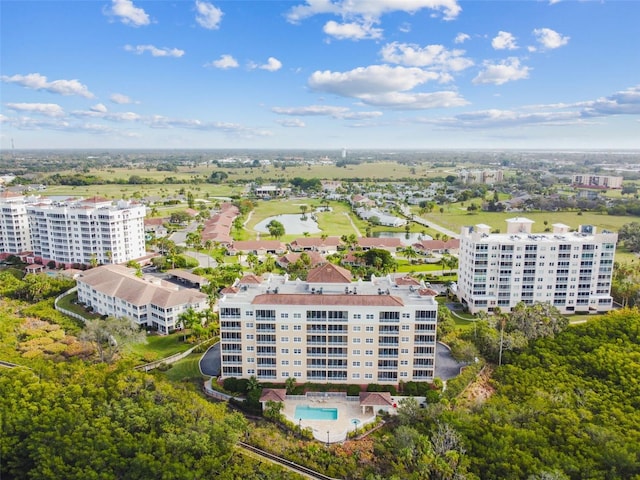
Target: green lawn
[(185, 369), (66, 302), (161, 345)]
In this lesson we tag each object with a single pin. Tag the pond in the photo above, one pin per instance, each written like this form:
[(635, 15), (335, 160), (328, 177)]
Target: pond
[(293, 223), (406, 238)]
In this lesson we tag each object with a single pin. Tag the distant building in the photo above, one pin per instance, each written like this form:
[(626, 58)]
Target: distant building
[(328, 329), (15, 234), (487, 177), (570, 270), (597, 181), (271, 191)]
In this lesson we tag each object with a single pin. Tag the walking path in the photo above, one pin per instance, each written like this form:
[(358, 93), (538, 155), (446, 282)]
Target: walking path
[(429, 223), (358, 233)]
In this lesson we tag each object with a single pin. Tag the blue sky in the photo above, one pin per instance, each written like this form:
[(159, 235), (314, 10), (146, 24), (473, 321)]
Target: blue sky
[(355, 74)]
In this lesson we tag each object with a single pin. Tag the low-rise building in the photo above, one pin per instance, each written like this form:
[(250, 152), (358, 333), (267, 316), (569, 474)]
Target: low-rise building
[(115, 290)]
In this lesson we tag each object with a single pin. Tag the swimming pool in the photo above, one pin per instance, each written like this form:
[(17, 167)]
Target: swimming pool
[(305, 412)]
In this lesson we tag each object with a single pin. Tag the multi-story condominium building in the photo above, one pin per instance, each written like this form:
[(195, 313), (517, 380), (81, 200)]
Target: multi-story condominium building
[(481, 176), (597, 181), (570, 270), (15, 235), (81, 231), (328, 328), (115, 290)]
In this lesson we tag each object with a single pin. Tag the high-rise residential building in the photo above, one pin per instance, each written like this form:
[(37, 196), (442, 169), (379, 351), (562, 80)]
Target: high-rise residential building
[(481, 176), (570, 270), (15, 235), (597, 181), (81, 231), (72, 232), (328, 328)]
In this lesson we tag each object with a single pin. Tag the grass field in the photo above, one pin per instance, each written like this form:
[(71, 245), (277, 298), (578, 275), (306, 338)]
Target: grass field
[(201, 191), (67, 302), (161, 345), (186, 369)]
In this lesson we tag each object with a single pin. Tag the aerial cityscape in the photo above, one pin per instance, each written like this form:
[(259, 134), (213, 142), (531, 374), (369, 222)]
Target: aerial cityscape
[(330, 239)]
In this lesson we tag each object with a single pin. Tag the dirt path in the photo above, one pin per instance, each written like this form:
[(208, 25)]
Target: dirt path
[(353, 224)]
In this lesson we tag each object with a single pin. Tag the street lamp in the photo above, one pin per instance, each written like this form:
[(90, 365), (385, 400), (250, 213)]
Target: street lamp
[(300, 425), (327, 438)]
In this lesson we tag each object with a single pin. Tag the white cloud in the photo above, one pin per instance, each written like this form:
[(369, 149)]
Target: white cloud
[(550, 39), (224, 62), (291, 123), (370, 10), (47, 109), (504, 41), (325, 110), (374, 79), (415, 101), (272, 65), (208, 16), (120, 99), (503, 72), (352, 30), (155, 51), (99, 107), (461, 38), (626, 102), (429, 56), (36, 81), (405, 27), (129, 14)]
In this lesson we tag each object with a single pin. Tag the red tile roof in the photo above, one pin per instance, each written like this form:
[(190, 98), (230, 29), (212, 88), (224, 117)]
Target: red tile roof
[(375, 399), (273, 395), (309, 242), (406, 280), (250, 279), (388, 242), (327, 300), (329, 273)]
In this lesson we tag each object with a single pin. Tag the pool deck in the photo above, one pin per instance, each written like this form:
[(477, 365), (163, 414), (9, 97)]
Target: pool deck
[(338, 429)]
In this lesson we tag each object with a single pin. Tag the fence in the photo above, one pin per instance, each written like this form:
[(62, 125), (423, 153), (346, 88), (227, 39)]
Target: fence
[(69, 313)]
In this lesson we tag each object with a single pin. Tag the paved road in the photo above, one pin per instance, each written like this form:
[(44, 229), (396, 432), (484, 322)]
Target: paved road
[(429, 223), (203, 259), (210, 361), (446, 367)]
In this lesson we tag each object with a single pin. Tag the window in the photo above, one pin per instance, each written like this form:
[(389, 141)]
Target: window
[(284, 339), (297, 374), (404, 351), (297, 327), (297, 315), (369, 329), (406, 315), (284, 315), (355, 352), (356, 328), (249, 325), (284, 362), (297, 351), (406, 327), (355, 364), (404, 362), (403, 374), (297, 339), (369, 316), (284, 327), (357, 316), (369, 340), (297, 363), (368, 375), (284, 374), (249, 336), (284, 351), (368, 352), (356, 340), (355, 375), (404, 339)]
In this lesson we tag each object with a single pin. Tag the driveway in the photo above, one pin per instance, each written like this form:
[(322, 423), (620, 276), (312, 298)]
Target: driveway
[(210, 361), (446, 367)]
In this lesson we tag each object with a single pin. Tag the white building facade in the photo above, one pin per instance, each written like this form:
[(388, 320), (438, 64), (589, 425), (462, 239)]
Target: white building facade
[(81, 231), (570, 270), (598, 181), (115, 290), (15, 234), (328, 329)]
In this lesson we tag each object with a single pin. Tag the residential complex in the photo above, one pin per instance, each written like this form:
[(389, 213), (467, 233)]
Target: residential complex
[(597, 181), (74, 231), (328, 328), (570, 270), (481, 176), (115, 290)]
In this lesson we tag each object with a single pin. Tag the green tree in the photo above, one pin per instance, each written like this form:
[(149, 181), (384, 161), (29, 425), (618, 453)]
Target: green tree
[(111, 336), (276, 229)]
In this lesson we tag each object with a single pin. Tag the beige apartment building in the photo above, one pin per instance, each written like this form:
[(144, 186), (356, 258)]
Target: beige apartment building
[(328, 328)]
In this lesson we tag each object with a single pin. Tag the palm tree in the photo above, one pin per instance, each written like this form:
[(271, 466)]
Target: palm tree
[(410, 253), (252, 260)]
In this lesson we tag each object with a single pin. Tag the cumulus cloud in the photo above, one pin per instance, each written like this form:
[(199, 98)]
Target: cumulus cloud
[(429, 56), (47, 109), (506, 71), (550, 39), (154, 51), (325, 111), (99, 111), (626, 102), (291, 123), (225, 62), (35, 81), (370, 10), (461, 38), (120, 99), (128, 13), (504, 41), (99, 107), (233, 129), (272, 65), (208, 15), (415, 101), (374, 79), (352, 30)]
